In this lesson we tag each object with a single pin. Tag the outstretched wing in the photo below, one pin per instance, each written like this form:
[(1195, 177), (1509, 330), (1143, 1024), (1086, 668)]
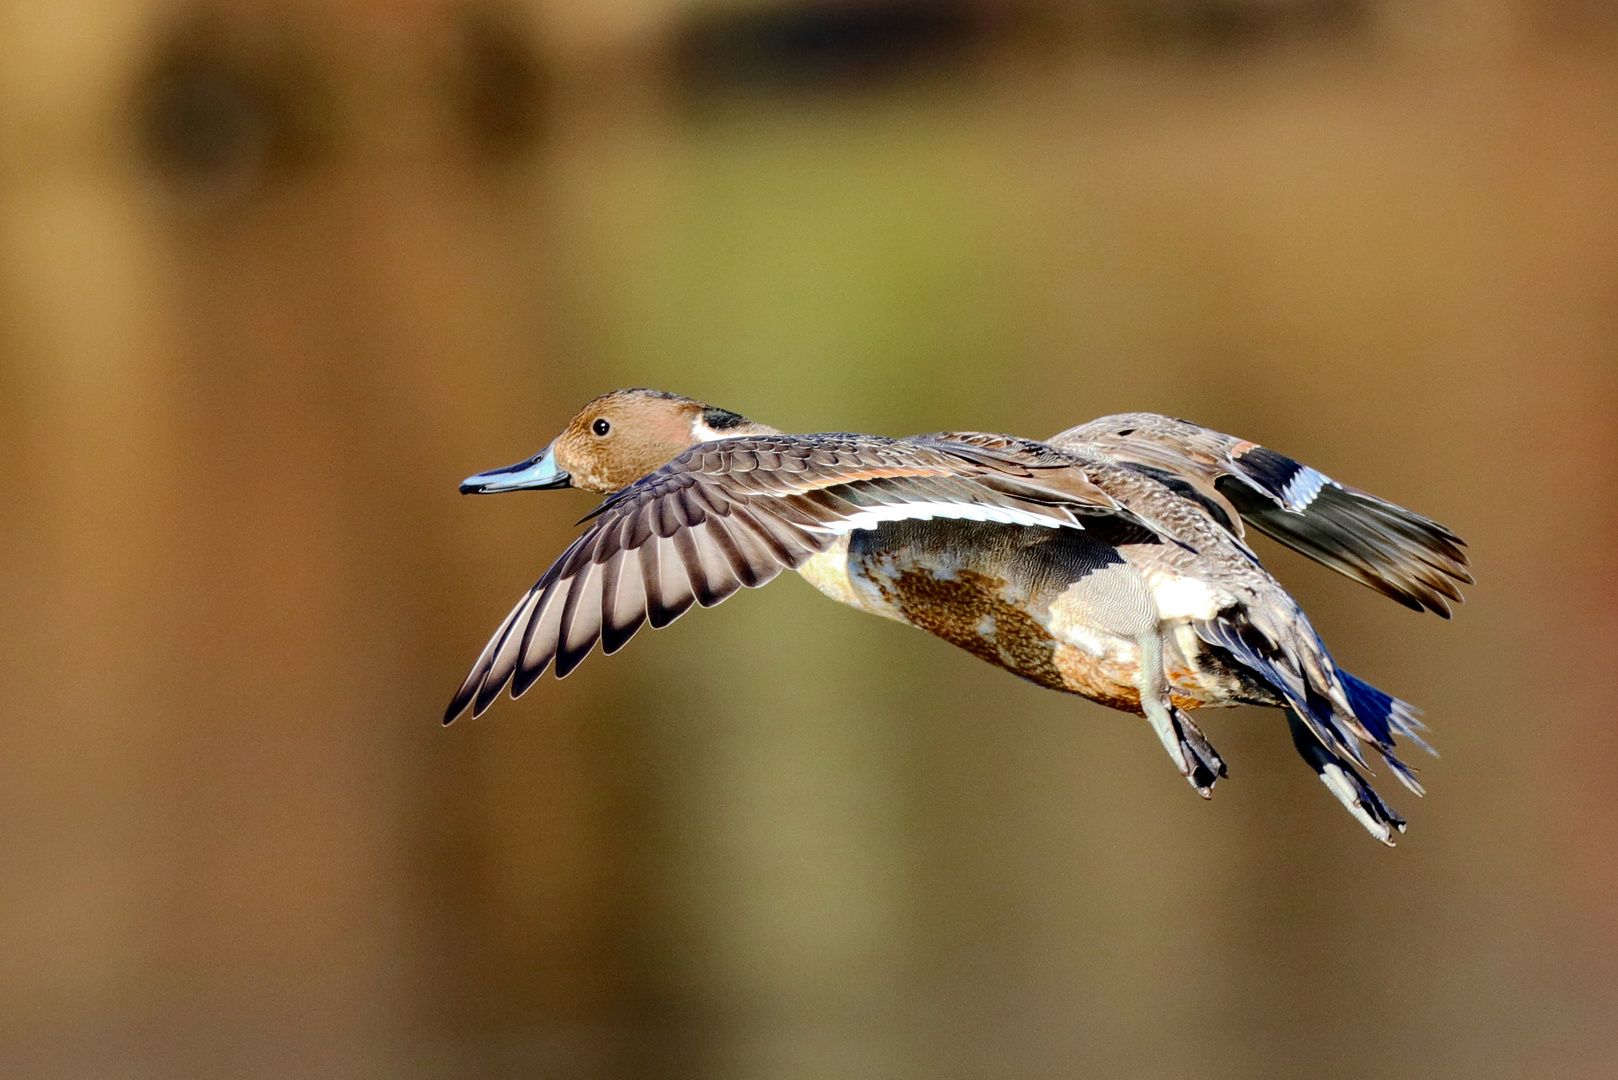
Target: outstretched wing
[(1395, 551), (737, 512)]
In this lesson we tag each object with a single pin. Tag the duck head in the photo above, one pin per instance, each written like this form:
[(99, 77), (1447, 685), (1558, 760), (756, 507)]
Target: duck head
[(614, 441)]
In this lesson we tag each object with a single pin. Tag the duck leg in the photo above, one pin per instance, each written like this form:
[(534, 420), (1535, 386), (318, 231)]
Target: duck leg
[(1207, 766), (1188, 748)]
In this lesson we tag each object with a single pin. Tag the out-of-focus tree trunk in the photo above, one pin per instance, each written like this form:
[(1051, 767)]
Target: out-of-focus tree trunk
[(275, 276), (258, 319)]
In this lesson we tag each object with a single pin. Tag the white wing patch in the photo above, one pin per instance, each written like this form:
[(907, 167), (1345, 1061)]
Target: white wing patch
[(1302, 489), (872, 516)]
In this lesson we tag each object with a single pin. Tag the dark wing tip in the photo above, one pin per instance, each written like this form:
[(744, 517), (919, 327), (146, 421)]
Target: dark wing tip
[(1395, 551), (457, 706), (486, 696), (524, 678), (569, 659), (615, 637)]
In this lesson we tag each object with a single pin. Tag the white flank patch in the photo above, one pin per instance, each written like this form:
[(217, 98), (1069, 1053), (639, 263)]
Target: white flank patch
[(1183, 598), (871, 516), (828, 572)]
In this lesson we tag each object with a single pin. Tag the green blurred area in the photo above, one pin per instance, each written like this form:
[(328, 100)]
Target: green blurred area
[(275, 276)]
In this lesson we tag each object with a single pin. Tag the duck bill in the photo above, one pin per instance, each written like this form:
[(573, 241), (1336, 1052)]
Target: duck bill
[(538, 473)]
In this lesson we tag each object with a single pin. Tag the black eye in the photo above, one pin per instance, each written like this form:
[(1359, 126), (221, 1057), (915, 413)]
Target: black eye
[(600, 427)]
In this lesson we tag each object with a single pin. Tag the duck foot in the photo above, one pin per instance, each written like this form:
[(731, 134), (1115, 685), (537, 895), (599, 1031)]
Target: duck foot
[(1206, 764), (1344, 781), (1187, 746)]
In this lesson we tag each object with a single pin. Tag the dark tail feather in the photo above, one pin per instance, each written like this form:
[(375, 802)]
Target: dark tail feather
[(1257, 650), (1385, 717), (1327, 730)]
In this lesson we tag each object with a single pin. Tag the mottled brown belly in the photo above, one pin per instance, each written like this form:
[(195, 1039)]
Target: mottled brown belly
[(1112, 679), (968, 609), (994, 590)]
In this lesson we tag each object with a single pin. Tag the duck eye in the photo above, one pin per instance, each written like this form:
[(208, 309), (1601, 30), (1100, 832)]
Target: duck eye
[(600, 427)]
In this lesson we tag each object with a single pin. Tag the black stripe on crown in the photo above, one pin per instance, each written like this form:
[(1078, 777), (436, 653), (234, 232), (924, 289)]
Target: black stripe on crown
[(718, 419)]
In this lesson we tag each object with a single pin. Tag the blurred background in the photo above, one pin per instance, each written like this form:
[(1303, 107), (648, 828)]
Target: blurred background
[(275, 276)]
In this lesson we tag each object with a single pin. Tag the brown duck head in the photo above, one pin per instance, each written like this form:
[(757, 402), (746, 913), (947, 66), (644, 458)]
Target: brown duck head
[(614, 441)]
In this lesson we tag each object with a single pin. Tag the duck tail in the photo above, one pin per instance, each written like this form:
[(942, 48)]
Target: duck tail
[(1288, 655), (1329, 711), (1385, 717), (1382, 713)]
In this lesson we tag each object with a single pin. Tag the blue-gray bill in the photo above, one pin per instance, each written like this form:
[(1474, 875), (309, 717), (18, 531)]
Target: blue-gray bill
[(538, 473)]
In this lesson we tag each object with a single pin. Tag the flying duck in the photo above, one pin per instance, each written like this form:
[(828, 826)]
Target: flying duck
[(1109, 561)]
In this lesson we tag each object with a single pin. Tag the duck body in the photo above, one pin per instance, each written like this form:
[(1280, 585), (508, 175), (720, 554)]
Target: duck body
[(1061, 608), (1110, 562)]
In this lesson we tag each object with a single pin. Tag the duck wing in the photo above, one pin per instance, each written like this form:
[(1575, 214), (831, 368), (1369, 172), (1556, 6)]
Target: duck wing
[(1395, 551), (737, 512)]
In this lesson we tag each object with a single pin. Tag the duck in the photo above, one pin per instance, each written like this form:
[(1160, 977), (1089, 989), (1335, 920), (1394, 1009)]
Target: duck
[(1111, 561)]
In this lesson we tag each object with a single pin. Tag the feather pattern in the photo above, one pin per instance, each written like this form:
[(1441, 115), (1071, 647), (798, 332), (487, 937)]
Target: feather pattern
[(734, 513), (1401, 554), (1110, 561)]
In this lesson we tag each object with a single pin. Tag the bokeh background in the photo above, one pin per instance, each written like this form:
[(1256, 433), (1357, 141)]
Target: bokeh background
[(275, 276)]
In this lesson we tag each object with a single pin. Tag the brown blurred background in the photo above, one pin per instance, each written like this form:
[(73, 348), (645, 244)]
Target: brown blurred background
[(274, 276)]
